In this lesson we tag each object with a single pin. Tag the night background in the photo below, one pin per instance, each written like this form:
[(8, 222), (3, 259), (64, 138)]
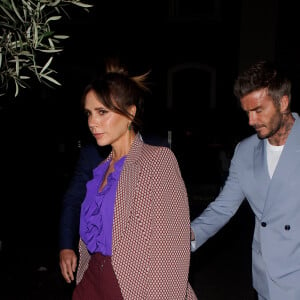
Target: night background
[(194, 50)]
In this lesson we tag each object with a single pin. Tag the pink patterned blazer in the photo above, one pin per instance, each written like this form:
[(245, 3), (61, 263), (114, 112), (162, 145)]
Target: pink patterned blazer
[(151, 229)]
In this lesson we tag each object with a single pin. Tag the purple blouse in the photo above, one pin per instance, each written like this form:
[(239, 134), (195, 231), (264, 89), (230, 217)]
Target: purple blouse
[(97, 209)]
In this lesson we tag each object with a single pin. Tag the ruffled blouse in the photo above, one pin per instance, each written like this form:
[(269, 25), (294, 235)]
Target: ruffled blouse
[(97, 209)]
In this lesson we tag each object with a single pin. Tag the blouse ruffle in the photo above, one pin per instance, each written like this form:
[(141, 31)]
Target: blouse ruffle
[(97, 209)]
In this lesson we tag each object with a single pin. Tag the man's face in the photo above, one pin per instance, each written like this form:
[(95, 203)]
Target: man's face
[(264, 116)]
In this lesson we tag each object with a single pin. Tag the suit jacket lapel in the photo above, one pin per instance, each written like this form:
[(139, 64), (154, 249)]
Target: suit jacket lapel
[(288, 161), (261, 174), (260, 163)]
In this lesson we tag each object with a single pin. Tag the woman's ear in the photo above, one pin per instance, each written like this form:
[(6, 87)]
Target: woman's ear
[(132, 110)]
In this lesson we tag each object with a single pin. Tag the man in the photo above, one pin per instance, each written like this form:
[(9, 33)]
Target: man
[(265, 171)]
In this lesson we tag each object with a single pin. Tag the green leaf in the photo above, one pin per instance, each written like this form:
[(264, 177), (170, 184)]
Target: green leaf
[(7, 13), (82, 4), (61, 37), (53, 18), (16, 88), (17, 65), (52, 3), (16, 11), (50, 79), (50, 50), (47, 64)]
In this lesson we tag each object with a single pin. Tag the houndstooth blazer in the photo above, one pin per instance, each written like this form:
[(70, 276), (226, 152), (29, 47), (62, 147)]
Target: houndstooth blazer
[(151, 228)]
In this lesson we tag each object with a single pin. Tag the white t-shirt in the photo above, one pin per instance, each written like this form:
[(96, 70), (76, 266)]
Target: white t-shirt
[(273, 155)]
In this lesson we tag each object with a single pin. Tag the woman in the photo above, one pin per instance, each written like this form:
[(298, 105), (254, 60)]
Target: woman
[(134, 223)]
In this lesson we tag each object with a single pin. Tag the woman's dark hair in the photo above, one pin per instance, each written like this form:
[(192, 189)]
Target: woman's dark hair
[(118, 91)]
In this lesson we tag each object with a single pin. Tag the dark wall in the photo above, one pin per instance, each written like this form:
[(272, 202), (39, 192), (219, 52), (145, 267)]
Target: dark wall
[(40, 129)]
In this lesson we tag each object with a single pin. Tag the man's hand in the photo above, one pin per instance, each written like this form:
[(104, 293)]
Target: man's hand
[(68, 264), (192, 235)]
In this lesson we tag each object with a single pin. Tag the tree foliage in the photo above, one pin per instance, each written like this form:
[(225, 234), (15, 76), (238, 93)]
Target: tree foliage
[(28, 42)]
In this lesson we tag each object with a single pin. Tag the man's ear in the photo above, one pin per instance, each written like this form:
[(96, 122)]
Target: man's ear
[(284, 103)]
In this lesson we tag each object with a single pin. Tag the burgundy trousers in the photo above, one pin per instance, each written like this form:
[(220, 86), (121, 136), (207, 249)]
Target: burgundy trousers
[(99, 281)]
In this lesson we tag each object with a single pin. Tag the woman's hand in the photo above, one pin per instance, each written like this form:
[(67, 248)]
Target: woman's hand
[(68, 264)]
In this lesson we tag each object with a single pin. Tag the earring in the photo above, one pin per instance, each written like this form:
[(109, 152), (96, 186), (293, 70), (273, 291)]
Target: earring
[(129, 126)]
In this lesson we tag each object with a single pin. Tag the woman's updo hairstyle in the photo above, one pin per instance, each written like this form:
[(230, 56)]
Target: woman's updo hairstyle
[(116, 90)]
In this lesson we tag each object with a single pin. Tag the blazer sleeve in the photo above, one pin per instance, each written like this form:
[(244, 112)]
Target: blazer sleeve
[(170, 250), (89, 158)]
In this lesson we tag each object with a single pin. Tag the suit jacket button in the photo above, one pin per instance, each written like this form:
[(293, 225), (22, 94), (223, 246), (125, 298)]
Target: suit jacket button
[(287, 227), (263, 224)]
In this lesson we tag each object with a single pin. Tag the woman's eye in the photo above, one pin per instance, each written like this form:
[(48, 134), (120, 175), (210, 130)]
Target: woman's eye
[(102, 111)]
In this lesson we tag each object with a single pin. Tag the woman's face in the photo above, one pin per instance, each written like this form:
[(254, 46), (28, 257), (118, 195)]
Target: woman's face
[(107, 126)]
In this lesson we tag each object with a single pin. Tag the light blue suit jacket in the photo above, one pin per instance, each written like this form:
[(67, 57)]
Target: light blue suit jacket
[(276, 205)]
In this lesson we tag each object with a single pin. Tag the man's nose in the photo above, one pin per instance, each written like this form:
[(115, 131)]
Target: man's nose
[(252, 118)]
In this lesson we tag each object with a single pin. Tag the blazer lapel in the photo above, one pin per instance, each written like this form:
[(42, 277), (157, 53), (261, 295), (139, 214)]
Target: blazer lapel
[(127, 185)]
